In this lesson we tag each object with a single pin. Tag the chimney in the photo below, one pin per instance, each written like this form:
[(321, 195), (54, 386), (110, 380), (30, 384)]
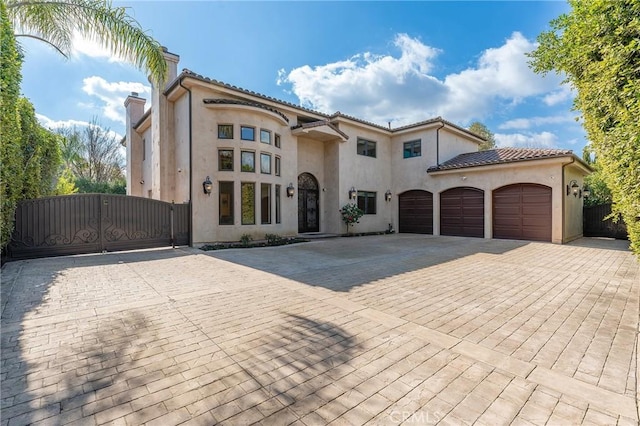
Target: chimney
[(172, 65)]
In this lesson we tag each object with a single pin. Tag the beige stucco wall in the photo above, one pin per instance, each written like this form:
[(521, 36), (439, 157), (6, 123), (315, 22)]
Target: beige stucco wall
[(147, 169), (330, 191), (181, 149), (134, 106), (573, 205), (205, 163), (365, 174)]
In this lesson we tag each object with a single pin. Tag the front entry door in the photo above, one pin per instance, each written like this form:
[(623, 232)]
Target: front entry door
[(308, 204)]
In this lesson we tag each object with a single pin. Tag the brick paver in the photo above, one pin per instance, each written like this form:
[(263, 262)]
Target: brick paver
[(394, 329)]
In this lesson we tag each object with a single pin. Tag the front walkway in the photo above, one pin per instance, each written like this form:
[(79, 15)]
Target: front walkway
[(380, 330)]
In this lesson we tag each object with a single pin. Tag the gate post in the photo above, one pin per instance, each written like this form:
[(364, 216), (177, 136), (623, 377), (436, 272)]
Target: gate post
[(100, 223), (173, 238)]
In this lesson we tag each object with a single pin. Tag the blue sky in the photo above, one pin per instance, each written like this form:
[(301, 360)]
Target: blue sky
[(380, 61)]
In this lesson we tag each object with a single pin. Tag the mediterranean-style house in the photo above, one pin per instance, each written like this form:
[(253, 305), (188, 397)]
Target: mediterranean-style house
[(253, 165)]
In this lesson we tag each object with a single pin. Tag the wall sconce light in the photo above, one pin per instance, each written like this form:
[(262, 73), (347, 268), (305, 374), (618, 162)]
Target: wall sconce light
[(586, 192), (573, 188), (387, 195), (290, 190), (353, 194), (207, 186)]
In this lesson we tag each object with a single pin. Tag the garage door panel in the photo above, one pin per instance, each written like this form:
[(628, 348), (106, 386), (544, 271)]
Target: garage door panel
[(462, 212), (523, 212), (415, 210)]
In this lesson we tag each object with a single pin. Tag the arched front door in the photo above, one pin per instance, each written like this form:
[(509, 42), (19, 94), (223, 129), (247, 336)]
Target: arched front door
[(308, 204)]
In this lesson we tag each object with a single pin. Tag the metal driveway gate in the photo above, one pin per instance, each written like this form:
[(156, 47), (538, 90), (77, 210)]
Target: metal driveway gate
[(94, 223)]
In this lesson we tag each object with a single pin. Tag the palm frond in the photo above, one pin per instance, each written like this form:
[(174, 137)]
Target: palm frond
[(55, 21)]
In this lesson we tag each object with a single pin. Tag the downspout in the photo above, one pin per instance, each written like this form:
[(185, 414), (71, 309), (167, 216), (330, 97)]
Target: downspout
[(438, 143), (190, 167), (564, 200)]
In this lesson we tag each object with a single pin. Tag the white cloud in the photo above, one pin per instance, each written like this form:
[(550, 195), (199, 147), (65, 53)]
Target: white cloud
[(112, 95), (527, 123), (55, 125), (527, 140), (563, 94), (383, 88), (93, 49)]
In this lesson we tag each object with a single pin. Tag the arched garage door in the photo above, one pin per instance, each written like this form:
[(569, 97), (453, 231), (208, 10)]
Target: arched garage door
[(462, 212), (522, 212), (416, 212)]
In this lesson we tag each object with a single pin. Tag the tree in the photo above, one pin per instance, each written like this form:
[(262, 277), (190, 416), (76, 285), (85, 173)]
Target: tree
[(54, 22), (596, 47), (599, 192), (40, 154), (93, 153), (10, 152), (482, 131), (351, 214)]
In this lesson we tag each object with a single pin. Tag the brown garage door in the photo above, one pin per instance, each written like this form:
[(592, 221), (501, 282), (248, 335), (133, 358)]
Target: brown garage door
[(462, 212), (416, 212), (522, 212)]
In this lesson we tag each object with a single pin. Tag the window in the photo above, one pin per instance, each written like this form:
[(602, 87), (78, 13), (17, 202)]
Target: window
[(144, 149), (247, 133), (225, 159), (277, 166), (248, 195), (225, 200), (367, 148), (367, 202), (277, 140), (265, 203), (265, 163), (265, 136), (248, 161), (278, 203), (225, 131), (412, 149)]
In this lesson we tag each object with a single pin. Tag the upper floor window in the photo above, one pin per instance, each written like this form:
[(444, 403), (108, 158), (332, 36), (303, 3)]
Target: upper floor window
[(225, 131), (277, 140), (248, 161), (367, 202), (277, 166), (247, 133), (265, 136), (144, 149), (367, 148), (265, 163), (412, 149), (225, 159)]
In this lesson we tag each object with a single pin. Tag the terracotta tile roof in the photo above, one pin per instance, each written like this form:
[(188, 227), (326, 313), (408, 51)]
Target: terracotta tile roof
[(247, 103), (499, 156)]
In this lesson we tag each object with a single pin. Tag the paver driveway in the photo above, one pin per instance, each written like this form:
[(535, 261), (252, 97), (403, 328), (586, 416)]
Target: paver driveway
[(382, 330)]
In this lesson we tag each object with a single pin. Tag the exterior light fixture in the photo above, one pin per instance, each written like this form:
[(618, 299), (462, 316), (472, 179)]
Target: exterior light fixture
[(387, 195), (573, 188), (290, 190), (207, 186), (353, 194), (586, 192)]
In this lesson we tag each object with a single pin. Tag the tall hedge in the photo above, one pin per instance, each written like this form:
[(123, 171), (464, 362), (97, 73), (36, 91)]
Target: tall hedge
[(11, 160), (597, 47)]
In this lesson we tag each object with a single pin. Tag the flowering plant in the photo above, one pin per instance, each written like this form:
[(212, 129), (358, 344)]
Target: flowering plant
[(351, 214)]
